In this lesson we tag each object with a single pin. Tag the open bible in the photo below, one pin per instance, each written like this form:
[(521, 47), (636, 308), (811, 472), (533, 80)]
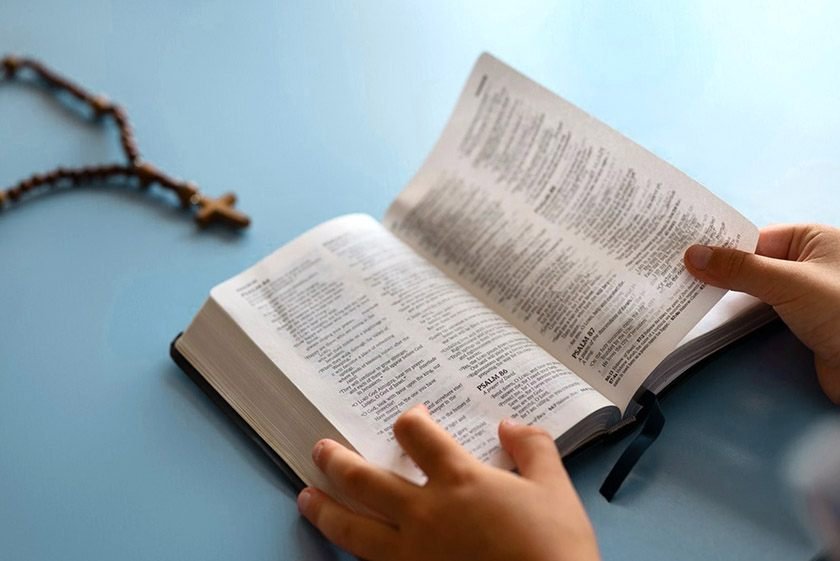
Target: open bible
[(531, 269)]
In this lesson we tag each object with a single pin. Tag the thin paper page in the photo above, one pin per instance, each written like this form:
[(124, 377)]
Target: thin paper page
[(731, 306), (365, 328), (569, 230)]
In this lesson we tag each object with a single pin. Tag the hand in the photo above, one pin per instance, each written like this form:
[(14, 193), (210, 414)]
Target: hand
[(795, 269), (466, 510)]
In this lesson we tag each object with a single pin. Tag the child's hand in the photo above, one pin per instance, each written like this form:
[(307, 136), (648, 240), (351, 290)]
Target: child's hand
[(796, 269), (466, 510)]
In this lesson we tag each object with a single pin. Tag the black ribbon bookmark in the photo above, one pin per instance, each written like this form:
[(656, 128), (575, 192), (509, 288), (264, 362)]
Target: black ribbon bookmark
[(652, 421)]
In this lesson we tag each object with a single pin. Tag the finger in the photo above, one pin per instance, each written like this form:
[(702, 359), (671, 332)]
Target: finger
[(829, 377), (359, 480), (533, 451), (782, 241), (771, 280), (430, 446), (357, 534)]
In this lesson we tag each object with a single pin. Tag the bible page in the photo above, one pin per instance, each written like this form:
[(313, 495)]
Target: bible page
[(366, 328), (569, 230)]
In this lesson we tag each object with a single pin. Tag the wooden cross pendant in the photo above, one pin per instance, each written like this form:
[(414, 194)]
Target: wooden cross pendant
[(219, 210)]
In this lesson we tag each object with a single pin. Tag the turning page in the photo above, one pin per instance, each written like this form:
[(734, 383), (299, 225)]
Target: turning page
[(566, 228), (365, 328)]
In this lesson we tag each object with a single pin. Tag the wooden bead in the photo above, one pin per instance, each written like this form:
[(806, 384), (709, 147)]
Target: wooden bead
[(101, 104), (146, 173), (120, 115), (186, 191), (11, 64)]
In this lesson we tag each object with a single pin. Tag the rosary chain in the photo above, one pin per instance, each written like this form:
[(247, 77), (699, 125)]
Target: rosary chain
[(13, 67)]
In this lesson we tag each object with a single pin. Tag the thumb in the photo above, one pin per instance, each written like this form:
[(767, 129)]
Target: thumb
[(765, 278), (532, 449), (829, 378)]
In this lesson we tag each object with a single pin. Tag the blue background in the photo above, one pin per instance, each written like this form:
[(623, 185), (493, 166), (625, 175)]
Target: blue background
[(310, 110)]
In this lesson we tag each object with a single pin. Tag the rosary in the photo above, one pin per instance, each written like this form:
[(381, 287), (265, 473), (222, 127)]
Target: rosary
[(205, 210)]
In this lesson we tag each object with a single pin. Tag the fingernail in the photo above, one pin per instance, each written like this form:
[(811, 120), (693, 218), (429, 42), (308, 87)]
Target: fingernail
[(316, 451), (510, 422), (303, 500), (699, 256)]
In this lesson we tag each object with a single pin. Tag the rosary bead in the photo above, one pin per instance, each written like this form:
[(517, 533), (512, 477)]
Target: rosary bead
[(119, 115), (11, 64), (146, 173), (101, 104), (186, 192)]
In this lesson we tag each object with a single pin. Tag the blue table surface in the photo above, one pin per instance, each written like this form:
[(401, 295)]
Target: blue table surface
[(309, 110)]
